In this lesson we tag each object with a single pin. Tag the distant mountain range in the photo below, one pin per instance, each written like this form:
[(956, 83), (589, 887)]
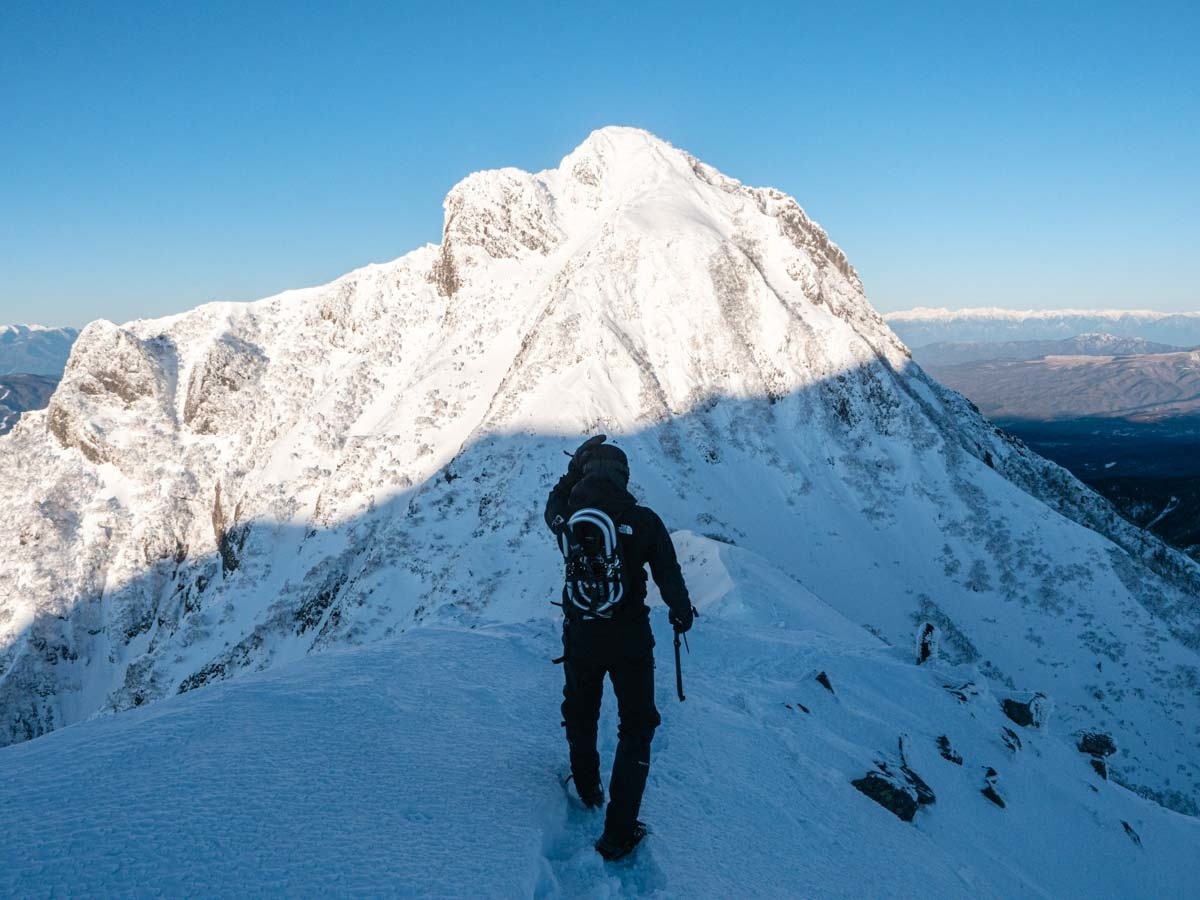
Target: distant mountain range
[(35, 349), (1144, 387), (953, 353), (32, 359), (922, 326), (21, 393), (1121, 413)]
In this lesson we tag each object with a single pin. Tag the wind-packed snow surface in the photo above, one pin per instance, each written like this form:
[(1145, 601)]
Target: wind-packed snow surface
[(428, 765), (235, 488)]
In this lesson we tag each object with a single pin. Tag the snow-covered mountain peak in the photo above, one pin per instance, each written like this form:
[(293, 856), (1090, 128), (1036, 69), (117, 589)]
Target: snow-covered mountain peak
[(509, 213), (618, 180), (29, 328), (616, 163)]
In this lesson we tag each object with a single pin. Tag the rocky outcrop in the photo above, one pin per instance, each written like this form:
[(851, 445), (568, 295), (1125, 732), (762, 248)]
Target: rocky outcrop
[(897, 789), (1028, 711), (990, 788), (114, 382), (223, 389)]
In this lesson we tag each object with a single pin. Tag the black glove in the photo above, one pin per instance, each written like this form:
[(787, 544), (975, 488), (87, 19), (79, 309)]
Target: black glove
[(681, 620), (579, 457)]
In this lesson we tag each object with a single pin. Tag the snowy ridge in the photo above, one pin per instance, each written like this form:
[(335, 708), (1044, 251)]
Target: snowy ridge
[(311, 778), (235, 488)]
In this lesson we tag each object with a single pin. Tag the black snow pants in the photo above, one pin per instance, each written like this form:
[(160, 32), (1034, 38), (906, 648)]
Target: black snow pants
[(624, 650)]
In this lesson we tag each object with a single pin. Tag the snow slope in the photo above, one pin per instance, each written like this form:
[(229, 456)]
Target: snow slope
[(229, 490), (922, 326), (427, 765)]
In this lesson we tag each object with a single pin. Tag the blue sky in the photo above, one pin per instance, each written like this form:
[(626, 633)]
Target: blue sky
[(154, 156)]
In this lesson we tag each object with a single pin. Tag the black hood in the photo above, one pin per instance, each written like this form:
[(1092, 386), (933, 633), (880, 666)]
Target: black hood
[(607, 461), (602, 492)]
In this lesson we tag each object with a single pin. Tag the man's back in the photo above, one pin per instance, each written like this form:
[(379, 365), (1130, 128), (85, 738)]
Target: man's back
[(621, 647), (643, 536)]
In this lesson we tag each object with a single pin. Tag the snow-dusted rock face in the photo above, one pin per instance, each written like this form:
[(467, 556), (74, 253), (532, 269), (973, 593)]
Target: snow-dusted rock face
[(244, 484)]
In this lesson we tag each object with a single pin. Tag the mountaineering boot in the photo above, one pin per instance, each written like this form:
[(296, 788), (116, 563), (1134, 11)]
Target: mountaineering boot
[(591, 796), (613, 847), (592, 799)]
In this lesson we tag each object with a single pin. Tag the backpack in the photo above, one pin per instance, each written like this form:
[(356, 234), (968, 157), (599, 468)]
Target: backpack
[(595, 572)]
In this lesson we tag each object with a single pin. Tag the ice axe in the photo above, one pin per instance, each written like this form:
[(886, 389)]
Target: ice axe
[(678, 666)]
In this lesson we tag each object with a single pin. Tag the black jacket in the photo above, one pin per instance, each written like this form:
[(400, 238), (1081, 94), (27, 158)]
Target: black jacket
[(648, 543)]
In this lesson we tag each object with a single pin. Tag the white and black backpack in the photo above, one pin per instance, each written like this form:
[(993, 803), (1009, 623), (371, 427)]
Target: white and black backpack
[(595, 573)]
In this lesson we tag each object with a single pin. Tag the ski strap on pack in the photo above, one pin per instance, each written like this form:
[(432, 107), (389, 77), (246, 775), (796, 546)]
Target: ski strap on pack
[(595, 579)]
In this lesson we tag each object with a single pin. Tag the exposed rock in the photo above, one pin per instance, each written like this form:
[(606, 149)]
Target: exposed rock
[(896, 788), (111, 376), (1029, 713), (1098, 746), (927, 642), (991, 776), (947, 752), (1095, 743), (1011, 740), (1133, 835), (962, 692), (823, 679), (220, 390), (506, 213), (444, 274), (889, 792)]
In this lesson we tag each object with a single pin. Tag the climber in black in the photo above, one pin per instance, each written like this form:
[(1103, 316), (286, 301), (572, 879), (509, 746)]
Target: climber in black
[(613, 639)]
